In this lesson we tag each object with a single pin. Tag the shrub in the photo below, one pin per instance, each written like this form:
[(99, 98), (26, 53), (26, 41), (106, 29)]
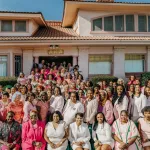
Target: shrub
[(144, 77), (106, 78), (4, 81)]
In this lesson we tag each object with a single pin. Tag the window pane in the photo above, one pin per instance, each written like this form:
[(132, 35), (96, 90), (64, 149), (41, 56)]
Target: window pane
[(97, 24), (134, 63), (142, 23), (6, 25), (103, 68), (20, 26), (129, 23), (108, 23), (3, 66), (148, 23), (119, 23), (102, 62)]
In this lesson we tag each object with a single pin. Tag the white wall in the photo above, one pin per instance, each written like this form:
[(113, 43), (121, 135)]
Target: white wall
[(84, 19), (32, 26)]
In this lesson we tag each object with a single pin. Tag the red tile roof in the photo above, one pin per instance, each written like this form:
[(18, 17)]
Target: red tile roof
[(54, 31)]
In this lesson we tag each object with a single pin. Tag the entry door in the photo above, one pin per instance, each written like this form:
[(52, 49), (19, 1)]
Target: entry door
[(18, 64)]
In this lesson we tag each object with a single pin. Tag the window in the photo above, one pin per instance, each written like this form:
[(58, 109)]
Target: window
[(148, 23), (20, 26), (18, 65), (134, 63), (142, 24), (97, 24), (3, 66), (108, 23), (100, 64), (119, 23), (129, 23), (6, 25)]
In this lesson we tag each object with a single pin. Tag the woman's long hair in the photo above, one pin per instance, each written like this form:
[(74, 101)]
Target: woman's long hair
[(115, 97), (96, 122)]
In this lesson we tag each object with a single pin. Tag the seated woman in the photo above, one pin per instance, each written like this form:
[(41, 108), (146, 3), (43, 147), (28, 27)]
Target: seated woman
[(10, 132), (17, 107), (125, 133), (102, 133), (56, 132), (79, 134), (144, 128), (33, 133)]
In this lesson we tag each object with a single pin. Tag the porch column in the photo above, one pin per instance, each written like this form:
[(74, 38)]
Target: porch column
[(83, 61), (36, 59), (119, 62), (11, 64), (75, 60), (148, 59), (27, 61)]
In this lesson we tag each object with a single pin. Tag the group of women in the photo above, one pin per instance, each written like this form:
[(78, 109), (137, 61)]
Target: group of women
[(54, 108)]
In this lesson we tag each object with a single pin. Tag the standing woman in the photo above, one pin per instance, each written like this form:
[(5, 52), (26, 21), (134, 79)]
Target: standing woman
[(22, 79), (28, 106), (17, 107), (102, 133), (79, 134), (107, 107), (4, 102), (56, 132), (137, 103), (33, 133), (144, 128), (120, 101), (44, 104), (125, 133), (91, 106), (57, 101), (72, 107)]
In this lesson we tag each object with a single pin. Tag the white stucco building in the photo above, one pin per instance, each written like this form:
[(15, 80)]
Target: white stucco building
[(101, 37)]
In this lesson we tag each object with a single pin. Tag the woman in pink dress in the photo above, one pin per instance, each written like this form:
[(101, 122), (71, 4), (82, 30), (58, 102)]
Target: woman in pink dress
[(125, 133), (33, 133), (69, 78), (120, 101), (22, 79), (3, 106), (144, 128), (17, 107), (28, 106), (44, 105), (107, 107)]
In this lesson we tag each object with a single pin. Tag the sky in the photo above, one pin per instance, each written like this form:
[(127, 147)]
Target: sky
[(51, 9)]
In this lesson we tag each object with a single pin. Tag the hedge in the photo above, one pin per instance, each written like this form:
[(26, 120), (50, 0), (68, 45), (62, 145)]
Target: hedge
[(144, 77), (106, 78), (4, 81)]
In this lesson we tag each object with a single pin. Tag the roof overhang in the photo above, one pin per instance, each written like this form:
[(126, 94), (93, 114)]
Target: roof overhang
[(71, 9), (37, 17)]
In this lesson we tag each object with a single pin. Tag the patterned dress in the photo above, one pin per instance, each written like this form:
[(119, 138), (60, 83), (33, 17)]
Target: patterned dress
[(10, 134)]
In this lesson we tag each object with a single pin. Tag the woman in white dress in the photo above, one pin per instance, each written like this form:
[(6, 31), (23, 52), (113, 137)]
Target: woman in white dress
[(79, 134), (56, 101), (72, 107), (102, 133), (137, 103), (120, 101), (56, 133)]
